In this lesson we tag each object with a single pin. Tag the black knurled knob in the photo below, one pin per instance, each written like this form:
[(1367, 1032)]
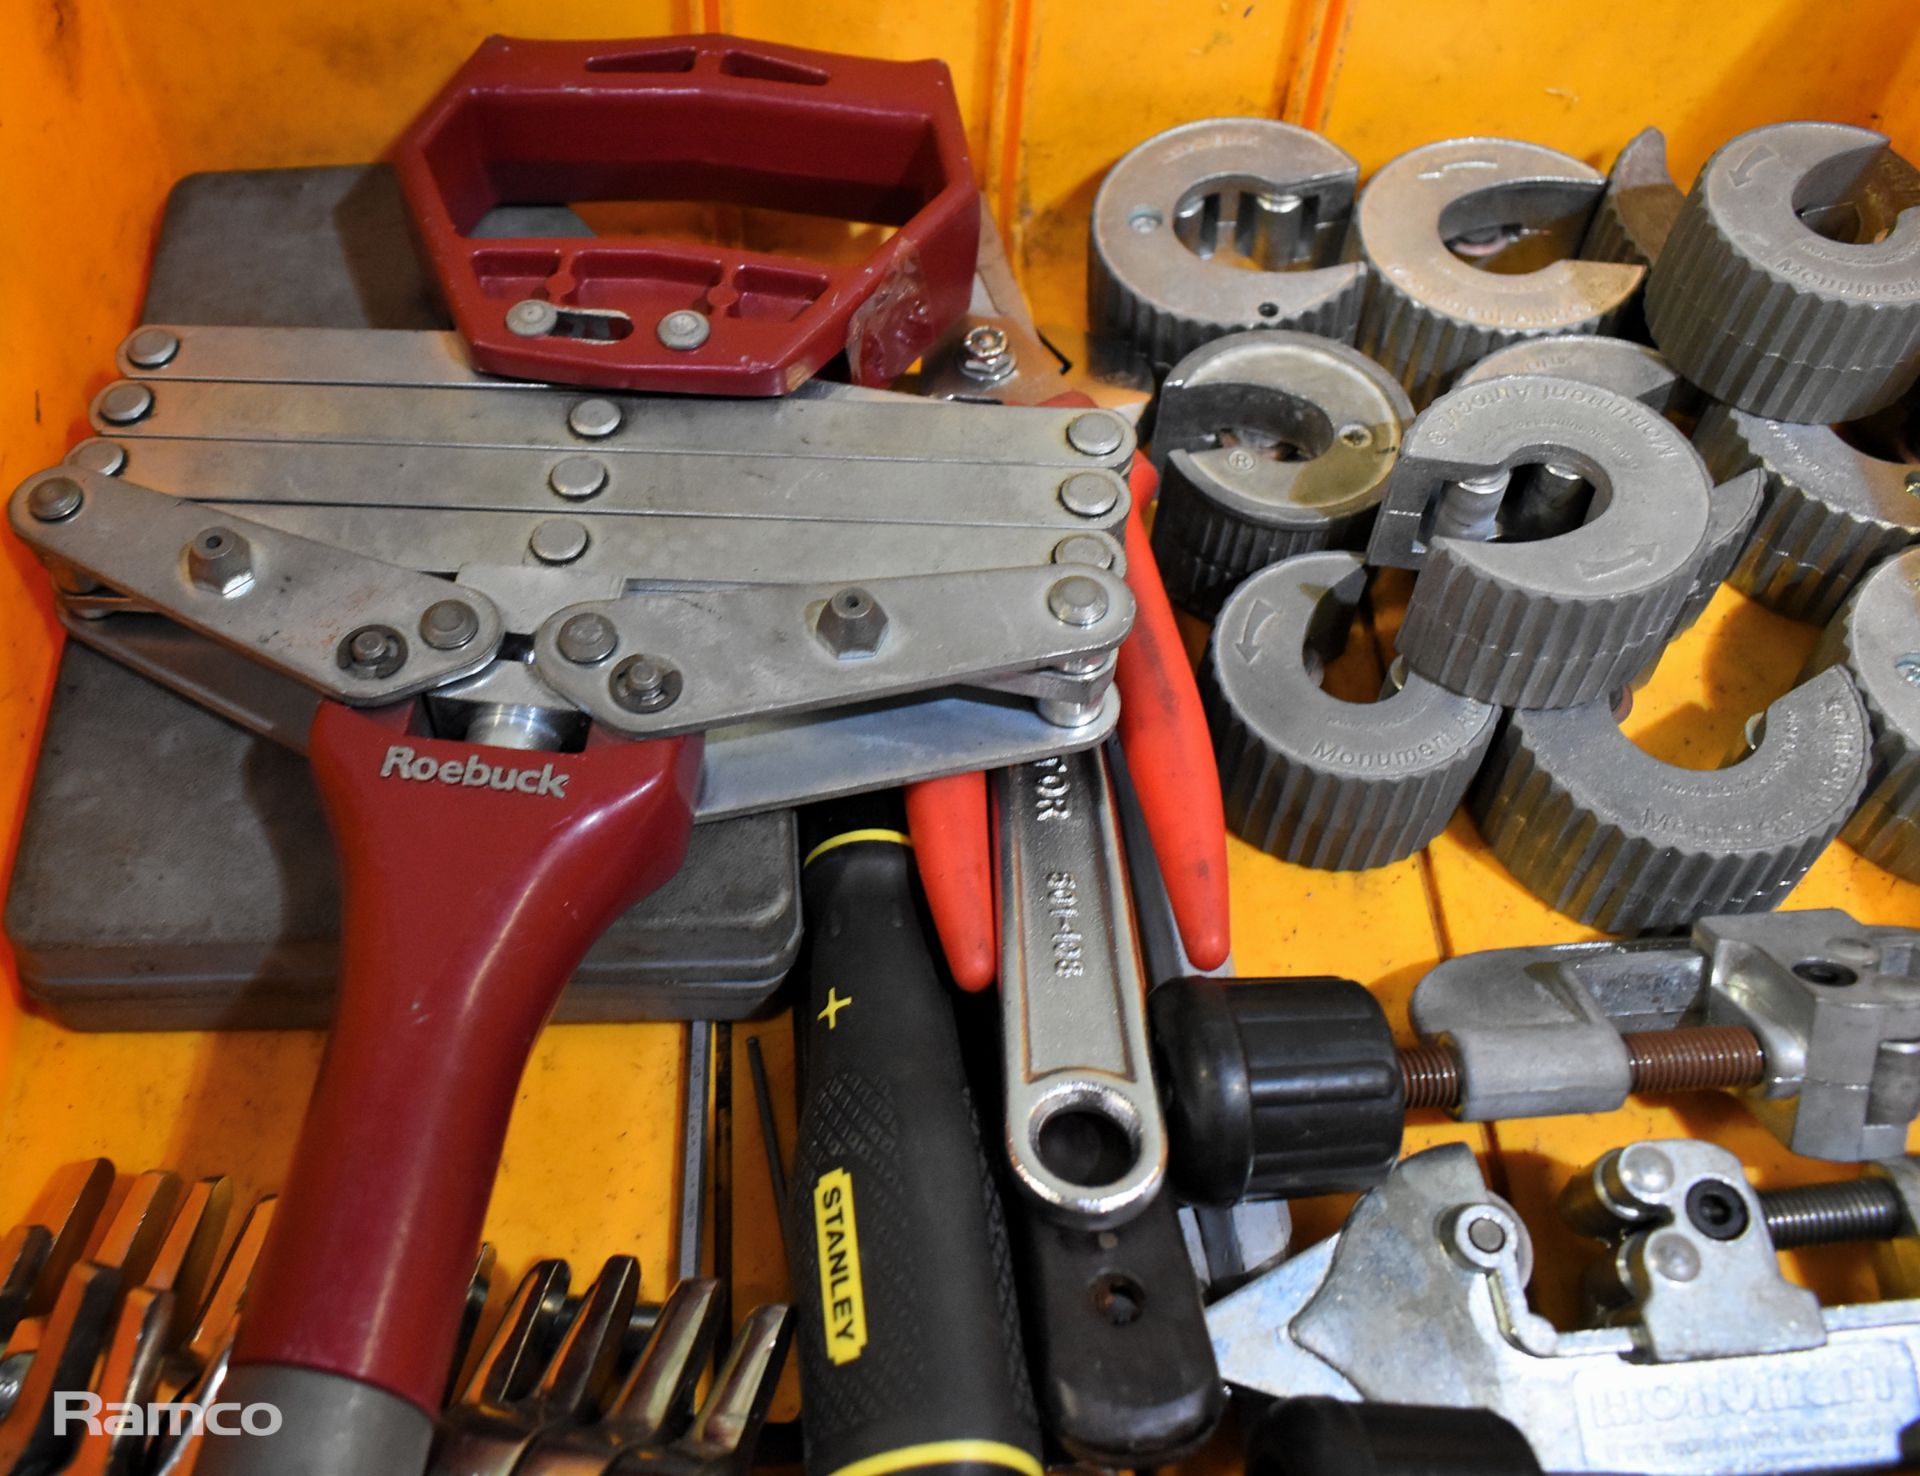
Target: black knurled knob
[(1275, 1088)]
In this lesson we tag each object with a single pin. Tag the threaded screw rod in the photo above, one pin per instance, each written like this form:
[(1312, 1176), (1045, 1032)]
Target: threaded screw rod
[(1826, 1214), (1687, 1058)]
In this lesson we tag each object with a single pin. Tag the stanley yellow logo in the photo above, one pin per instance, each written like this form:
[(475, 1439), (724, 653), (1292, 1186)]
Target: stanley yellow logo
[(841, 1296)]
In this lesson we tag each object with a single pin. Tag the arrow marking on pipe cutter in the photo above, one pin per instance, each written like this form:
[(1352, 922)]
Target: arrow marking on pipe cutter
[(1257, 617), (1741, 172), (1631, 557)]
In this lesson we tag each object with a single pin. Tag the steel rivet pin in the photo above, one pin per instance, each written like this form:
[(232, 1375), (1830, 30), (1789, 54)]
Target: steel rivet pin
[(108, 458), (125, 402), (594, 418), (644, 684), (55, 500), (1096, 433), (1077, 600), (374, 651), (448, 625), (577, 477), (1089, 495), (558, 541), (532, 318), (683, 329), (151, 348), (1674, 1258), (587, 638), (1084, 548)]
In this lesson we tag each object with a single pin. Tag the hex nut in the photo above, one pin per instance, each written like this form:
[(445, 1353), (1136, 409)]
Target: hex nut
[(219, 560), (851, 624)]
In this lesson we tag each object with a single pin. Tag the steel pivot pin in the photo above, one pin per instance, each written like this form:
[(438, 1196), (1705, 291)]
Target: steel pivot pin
[(532, 318), (1095, 433), (448, 625), (373, 651), (124, 403), (644, 684), (55, 499), (152, 348), (586, 638), (1077, 600)]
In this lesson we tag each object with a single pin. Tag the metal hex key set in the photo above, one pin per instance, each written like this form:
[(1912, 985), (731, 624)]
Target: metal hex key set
[(664, 629)]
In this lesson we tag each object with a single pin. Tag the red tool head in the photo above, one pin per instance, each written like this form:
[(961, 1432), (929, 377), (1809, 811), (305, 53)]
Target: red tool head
[(693, 118)]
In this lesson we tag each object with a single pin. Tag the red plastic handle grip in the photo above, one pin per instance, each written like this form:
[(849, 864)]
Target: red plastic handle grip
[(694, 118), (1163, 729), (948, 821), (475, 879)]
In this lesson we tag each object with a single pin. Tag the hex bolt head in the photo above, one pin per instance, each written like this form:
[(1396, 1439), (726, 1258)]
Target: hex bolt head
[(577, 477), (1077, 600), (1096, 433), (683, 329), (986, 341), (851, 624), (1084, 548), (448, 625), (152, 348), (372, 651), (644, 684), (124, 403), (986, 356), (219, 560), (558, 541), (532, 318), (1673, 1257), (1487, 1235), (1646, 1171), (108, 458), (594, 418), (586, 638), (1089, 495), (55, 500)]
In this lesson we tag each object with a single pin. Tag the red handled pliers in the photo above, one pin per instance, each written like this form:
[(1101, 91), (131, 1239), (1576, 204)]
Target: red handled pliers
[(1162, 726)]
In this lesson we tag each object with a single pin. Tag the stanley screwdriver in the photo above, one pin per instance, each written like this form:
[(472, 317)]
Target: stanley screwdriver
[(910, 1346)]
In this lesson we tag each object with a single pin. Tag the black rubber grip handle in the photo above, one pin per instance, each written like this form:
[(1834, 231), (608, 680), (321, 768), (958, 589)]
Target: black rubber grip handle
[(1326, 1437), (910, 1346)]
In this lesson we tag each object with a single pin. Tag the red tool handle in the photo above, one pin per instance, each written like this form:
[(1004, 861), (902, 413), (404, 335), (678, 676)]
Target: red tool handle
[(948, 821), (681, 118), (1163, 729), (475, 879)]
